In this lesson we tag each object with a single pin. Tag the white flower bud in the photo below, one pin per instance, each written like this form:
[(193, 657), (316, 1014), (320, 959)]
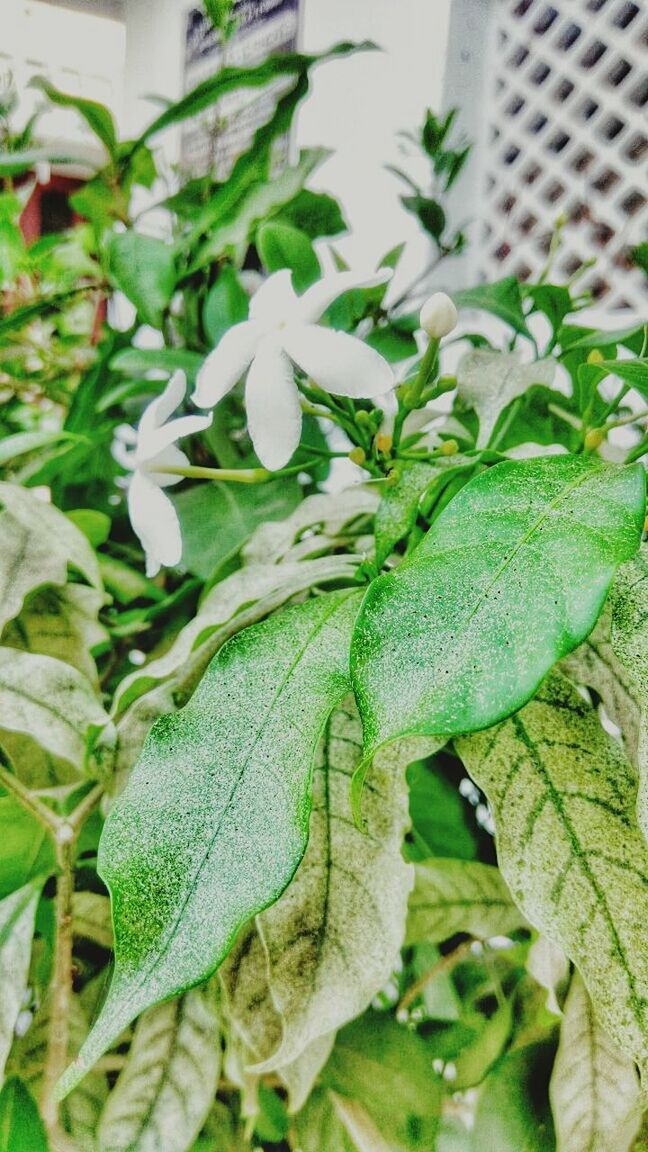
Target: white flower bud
[(438, 316)]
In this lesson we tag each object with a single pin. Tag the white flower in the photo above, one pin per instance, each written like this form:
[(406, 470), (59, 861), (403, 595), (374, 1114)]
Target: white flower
[(141, 452), (282, 330), (438, 316)]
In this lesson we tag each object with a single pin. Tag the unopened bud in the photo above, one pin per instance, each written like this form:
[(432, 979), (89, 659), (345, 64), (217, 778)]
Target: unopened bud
[(449, 448), (384, 443), (594, 439), (445, 384), (438, 316), (363, 418), (357, 456), (595, 356)]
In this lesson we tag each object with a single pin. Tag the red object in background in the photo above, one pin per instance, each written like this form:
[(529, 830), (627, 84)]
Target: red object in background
[(49, 210)]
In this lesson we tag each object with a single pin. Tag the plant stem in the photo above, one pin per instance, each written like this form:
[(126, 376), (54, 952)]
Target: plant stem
[(233, 475), (85, 807), (640, 450), (445, 964), (33, 805), (60, 988)]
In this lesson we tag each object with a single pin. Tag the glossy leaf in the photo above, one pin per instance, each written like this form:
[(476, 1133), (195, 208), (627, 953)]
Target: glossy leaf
[(570, 850), (334, 937), (39, 544), (510, 578), (629, 637), (21, 1128), (165, 1091), (489, 381), (17, 918), (453, 896), (594, 1088), (143, 267), (399, 505), (50, 702), (214, 820)]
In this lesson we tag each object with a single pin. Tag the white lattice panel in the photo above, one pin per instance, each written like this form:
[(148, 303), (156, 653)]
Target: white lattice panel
[(567, 134)]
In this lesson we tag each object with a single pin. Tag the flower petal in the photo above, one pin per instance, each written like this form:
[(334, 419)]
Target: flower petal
[(273, 408), (169, 457), (224, 366), (155, 521), (275, 301), (158, 411), (158, 439), (337, 362), (321, 295)]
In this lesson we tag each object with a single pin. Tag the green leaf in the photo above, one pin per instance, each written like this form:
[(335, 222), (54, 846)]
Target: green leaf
[(26, 848), (629, 637), (97, 116), (61, 622), (439, 816), (283, 246), (319, 1126), (475, 1060), (21, 1128), (569, 847), (387, 1069), (50, 702), (594, 1088), (452, 896), (17, 919), (489, 381), (143, 267), (510, 578), (139, 361), (399, 506), (502, 298), (91, 918), (554, 300), (166, 1089), (38, 544), (632, 372), (351, 886), (315, 213), (429, 212), (513, 1112), (393, 344), (217, 519), (220, 787), (226, 305)]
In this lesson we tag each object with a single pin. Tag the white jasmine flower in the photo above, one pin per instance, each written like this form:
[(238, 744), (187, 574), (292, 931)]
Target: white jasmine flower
[(153, 446), (438, 316), (281, 331)]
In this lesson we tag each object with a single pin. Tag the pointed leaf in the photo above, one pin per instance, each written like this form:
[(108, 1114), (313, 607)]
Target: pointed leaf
[(334, 937), (594, 1088), (50, 702), (569, 847), (453, 896), (17, 918), (399, 506), (97, 116), (21, 1128), (38, 543), (214, 820), (489, 381), (143, 267), (510, 578), (166, 1089), (502, 298)]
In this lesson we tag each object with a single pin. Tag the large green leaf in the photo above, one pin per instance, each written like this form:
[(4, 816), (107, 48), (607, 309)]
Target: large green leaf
[(510, 578), (563, 798), (334, 937), (453, 896), (37, 544), (513, 1113), (214, 820), (50, 702), (143, 267), (26, 847), (21, 1128), (61, 622), (629, 634), (17, 918), (594, 1088), (165, 1091)]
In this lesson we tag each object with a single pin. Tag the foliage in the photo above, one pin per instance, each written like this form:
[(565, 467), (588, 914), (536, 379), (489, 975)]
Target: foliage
[(318, 837)]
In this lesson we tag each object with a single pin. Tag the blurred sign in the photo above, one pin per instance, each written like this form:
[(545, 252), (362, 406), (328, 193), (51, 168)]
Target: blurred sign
[(216, 139)]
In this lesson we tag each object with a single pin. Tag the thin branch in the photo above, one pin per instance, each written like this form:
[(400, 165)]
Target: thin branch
[(445, 964), (31, 803)]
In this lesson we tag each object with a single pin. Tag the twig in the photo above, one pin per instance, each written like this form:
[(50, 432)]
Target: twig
[(445, 964), (60, 989)]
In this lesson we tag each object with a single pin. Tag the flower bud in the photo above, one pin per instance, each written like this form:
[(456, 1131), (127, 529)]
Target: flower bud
[(595, 356), (357, 456), (449, 448), (594, 439), (384, 443), (438, 316)]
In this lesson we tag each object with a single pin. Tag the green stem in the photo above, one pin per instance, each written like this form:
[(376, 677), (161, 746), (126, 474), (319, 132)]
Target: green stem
[(637, 452), (60, 989), (632, 418), (412, 394), (231, 475), (39, 811)]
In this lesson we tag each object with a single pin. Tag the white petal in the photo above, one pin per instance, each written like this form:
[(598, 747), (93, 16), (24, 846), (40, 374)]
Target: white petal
[(275, 301), (149, 445), (224, 366), (317, 299), (155, 521), (164, 405), (169, 457), (273, 409), (337, 362)]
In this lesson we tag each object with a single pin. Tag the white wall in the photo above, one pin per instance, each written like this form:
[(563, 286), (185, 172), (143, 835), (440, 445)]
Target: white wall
[(357, 105)]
